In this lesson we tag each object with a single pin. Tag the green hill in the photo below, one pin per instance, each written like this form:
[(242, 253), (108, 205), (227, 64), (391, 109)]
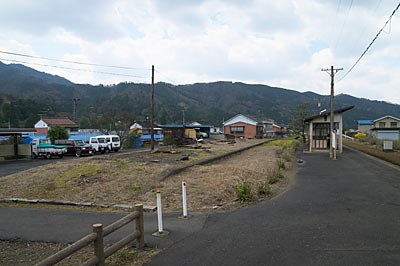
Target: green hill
[(23, 96)]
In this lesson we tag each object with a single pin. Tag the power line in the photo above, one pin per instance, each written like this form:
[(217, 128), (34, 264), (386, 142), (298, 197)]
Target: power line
[(344, 23), (373, 40), (72, 62), (173, 82), (70, 68)]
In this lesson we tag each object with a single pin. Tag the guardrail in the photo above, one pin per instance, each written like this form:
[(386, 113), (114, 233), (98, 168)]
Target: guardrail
[(97, 237)]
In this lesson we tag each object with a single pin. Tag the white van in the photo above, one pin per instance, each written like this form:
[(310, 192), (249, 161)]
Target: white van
[(99, 143), (113, 142)]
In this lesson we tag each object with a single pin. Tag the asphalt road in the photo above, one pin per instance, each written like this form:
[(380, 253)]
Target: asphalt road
[(344, 212)]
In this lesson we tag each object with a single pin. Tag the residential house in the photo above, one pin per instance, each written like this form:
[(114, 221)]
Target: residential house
[(364, 126), (319, 129), (243, 127), (387, 127), (45, 123)]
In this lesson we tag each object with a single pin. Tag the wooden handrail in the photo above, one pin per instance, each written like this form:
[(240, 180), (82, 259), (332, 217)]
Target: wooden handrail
[(97, 238)]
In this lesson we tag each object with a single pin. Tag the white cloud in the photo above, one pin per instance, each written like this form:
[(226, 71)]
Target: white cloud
[(278, 43)]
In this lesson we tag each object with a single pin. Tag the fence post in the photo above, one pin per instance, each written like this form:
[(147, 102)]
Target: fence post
[(159, 212), (140, 226), (184, 199), (99, 244)]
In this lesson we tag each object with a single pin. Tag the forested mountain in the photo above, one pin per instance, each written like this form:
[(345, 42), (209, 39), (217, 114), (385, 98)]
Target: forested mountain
[(25, 93)]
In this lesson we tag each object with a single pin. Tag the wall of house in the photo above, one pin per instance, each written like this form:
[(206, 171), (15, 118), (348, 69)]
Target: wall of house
[(41, 131), (387, 122), (250, 131), (364, 129)]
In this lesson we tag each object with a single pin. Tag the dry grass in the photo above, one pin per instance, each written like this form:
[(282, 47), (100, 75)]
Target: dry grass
[(210, 185), (128, 178), (17, 253)]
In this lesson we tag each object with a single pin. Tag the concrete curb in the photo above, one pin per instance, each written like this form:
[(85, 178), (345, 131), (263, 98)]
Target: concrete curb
[(164, 175), (71, 203)]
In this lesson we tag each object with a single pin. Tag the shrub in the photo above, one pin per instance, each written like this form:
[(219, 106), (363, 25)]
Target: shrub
[(243, 191), (281, 164), (287, 154), (274, 175), (264, 188), (279, 174)]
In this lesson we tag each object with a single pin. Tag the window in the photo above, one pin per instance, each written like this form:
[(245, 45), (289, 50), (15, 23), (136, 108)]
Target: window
[(94, 140), (237, 129), (115, 139), (393, 124), (382, 124)]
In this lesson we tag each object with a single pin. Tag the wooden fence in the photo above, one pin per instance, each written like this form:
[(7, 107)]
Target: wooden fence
[(97, 237)]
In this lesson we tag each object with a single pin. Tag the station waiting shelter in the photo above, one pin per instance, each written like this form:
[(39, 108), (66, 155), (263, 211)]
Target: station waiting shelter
[(319, 129)]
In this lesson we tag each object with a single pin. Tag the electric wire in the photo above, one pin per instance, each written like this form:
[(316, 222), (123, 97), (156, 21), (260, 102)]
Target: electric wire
[(373, 40), (70, 68), (344, 23), (73, 62), (173, 82)]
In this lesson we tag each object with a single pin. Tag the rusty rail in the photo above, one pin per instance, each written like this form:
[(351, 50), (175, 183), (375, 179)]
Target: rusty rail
[(97, 237)]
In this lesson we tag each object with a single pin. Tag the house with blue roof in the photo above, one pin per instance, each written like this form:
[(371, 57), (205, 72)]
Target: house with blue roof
[(364, 126)]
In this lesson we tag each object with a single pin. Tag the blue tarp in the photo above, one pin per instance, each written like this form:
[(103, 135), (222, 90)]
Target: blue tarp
[(148, 137)]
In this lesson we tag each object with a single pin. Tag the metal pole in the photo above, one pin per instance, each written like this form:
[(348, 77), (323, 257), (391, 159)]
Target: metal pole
[(152, 109), (184, 199), (159, 212)]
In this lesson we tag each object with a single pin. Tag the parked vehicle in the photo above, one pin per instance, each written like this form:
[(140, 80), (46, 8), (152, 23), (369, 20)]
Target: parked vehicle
[(113, 142), (43, 147), (76, 147), (99, 144)]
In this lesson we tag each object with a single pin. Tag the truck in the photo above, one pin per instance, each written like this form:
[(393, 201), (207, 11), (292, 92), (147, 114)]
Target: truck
[(76, 147), (113, 142), (99, 144), (44, 148)]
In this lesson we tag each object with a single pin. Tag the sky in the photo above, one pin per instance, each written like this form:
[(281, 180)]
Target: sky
[(277, 43)]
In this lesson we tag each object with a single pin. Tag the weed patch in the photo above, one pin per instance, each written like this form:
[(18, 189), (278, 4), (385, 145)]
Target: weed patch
[(243, 191)]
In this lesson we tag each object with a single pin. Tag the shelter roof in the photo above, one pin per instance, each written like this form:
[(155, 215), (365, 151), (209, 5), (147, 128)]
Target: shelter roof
[(341, 110)]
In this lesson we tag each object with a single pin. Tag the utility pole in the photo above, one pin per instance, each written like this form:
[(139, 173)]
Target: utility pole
[(332, 73), (152, 109), (183, 117), (74, 100)]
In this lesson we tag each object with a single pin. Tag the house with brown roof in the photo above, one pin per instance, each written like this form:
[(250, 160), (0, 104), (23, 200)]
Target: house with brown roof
[(241, 126), (43, 125)]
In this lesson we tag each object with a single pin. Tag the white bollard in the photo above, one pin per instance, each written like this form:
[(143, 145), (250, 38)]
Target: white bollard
[(184, 199), (159, 212)]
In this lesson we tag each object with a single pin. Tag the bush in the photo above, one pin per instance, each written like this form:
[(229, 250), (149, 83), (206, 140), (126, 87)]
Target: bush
[(281, 164), (274, 175), (264, 188), (243, 191)]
